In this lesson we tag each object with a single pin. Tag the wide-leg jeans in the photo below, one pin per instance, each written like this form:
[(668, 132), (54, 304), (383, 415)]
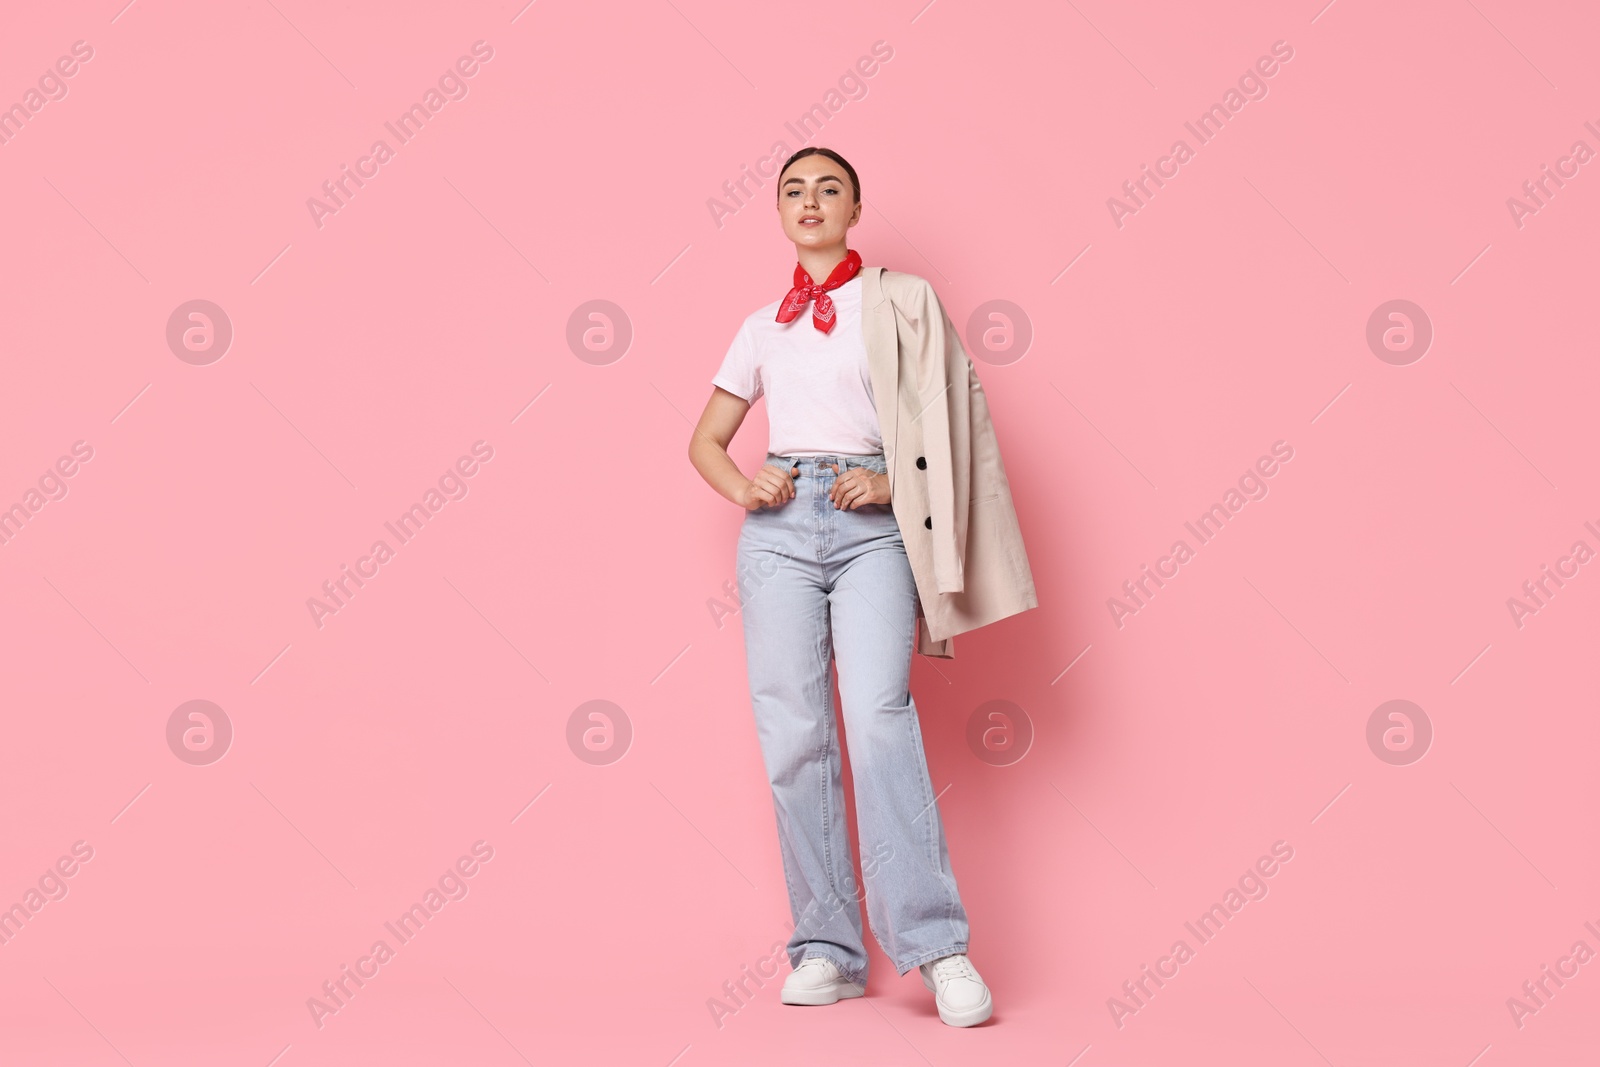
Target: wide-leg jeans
[(821, 585)]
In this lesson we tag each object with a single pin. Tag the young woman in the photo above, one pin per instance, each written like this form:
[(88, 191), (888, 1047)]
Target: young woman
[(823, 575)]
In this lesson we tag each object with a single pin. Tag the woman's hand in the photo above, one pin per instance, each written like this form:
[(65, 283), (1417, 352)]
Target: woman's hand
[(858, 486), (772, 485)]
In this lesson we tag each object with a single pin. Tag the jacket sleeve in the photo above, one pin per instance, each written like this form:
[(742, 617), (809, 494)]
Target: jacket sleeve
[(943, 374)]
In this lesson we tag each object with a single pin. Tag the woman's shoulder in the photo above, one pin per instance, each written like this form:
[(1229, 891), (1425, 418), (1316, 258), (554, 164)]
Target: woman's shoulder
[(907, 288), (903, 279), (766, 314)]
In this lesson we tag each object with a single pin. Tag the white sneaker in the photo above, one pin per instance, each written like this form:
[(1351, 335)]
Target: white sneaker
[(962, 997), (818, 980)]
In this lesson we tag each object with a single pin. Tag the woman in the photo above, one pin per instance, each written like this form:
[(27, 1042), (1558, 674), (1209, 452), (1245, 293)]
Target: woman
[(822, 575)]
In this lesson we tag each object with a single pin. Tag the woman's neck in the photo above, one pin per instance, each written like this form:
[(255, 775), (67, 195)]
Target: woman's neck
[(819, 262)]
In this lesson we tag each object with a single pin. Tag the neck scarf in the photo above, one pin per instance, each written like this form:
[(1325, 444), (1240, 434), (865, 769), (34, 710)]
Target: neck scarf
[(822, 312)]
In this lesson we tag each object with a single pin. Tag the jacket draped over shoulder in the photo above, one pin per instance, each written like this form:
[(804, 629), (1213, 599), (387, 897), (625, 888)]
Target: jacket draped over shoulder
[(947, 483)]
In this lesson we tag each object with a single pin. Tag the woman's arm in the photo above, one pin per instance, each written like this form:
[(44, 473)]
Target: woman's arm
[(708, 449)]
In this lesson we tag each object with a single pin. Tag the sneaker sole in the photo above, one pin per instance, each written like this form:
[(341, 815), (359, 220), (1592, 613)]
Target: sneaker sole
[(841, 990), (970, 1017)]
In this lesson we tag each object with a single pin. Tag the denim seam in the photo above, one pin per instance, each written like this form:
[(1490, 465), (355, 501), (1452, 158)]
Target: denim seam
[(830, 753), (931, 806), (825, 772), (936, 830), (949, 887), (789, 860)]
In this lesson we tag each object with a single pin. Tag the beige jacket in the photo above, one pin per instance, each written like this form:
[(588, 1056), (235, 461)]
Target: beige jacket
[(947, 485)]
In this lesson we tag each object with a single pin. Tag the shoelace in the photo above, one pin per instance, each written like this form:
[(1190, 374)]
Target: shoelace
[(954, 967)]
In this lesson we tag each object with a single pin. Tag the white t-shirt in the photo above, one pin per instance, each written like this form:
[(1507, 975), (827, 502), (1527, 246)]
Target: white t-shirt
[(818, 386)]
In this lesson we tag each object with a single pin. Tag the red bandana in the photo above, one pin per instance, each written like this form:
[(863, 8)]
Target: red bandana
[(822, 313)]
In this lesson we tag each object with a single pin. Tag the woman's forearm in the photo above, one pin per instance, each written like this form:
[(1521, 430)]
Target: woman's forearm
[(718, 468)]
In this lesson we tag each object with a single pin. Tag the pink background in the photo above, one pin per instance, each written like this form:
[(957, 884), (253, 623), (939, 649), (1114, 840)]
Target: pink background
[(585, 560)]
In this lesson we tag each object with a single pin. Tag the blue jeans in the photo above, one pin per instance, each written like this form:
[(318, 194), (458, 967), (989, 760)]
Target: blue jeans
[(819, 583)]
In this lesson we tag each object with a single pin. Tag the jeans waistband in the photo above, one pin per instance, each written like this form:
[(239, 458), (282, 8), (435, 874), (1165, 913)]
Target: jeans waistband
[(813, 466)]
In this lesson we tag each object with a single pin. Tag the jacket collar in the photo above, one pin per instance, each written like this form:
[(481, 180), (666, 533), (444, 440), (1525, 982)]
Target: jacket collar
[(879, 331)]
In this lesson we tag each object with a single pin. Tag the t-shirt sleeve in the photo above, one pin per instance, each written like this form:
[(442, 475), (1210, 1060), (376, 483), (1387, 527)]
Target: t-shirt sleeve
[(738, 374)]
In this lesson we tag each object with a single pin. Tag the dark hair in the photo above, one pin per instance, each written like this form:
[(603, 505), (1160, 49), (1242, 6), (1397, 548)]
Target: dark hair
[(831, 154)]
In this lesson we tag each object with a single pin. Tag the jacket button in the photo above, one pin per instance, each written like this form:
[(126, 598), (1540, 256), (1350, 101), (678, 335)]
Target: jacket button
[(922, 463), (928, 522)]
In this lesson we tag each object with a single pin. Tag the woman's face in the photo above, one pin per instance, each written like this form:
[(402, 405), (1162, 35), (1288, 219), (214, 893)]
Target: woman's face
[(816, 188)]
